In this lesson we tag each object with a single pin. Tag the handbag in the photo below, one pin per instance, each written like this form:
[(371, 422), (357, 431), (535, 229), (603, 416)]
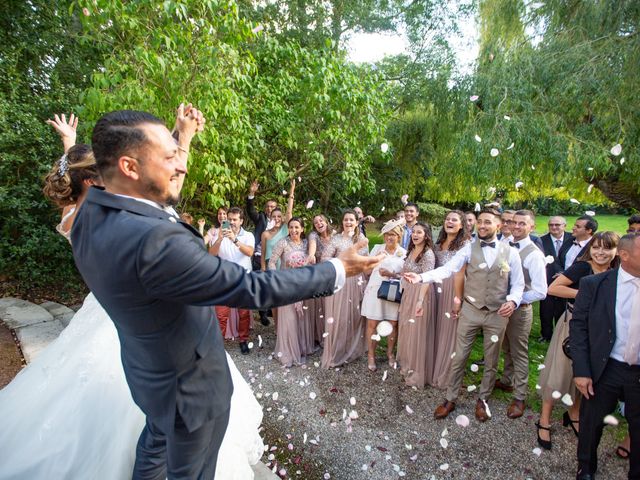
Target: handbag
[(566, 348), (390, 290)]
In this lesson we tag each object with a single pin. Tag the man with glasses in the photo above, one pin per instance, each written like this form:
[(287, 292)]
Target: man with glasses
[(552, 308)]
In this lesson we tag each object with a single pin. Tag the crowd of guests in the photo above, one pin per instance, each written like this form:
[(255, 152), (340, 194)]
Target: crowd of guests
[(432, 298)]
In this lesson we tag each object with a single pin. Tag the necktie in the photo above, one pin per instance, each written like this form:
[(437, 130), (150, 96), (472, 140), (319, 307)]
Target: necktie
[(558, 244), (515, 244), (487, 244), (633, 338)]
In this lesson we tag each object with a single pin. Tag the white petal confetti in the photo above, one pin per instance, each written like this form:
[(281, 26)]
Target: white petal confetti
[(590, 213), (411, 320), (284, 192), (611, 420), (573, 200), (590, 187), (519, 184), (537, 451), (471, 388), (329, 320), (494, 338), (511, 146), (444, 467), (462, 420), (384, 376), (471, 299), (260, 341), (353, 414), (477, 207), (384, 328), (474, 368), (567, 400), (616, 149), (274, 396), (549, 259), (250, 345), (309, 204), (478, 139), (439, 290), (453, 354), (444, 443), (486, 407), (482, 265), (533, 167), (447, 314), (352, 401), (622, 161), (375, 337), (325, 334), (541, 366), (312, 395), (257, 29), (304, 438), (384, 147), (507, 117), (473, 98), (556, 394), (494, 152), (408, 409), (327, 476), (444, 432)]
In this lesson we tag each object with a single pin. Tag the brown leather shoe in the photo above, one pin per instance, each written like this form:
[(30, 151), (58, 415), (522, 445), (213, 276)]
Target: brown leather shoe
[(442, 411), (501, 386), (481, 412), (516, 409)]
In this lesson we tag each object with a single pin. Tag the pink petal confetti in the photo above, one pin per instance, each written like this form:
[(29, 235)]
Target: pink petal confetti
[(290, 446), (257, 29), (590, 212), (462, 420), (309, 204), (556, 394), (573, 200), (474, 368), (494, 152), (616, 149), (478, 138), (384, 147), (473, 98), (408, 409), (567, 400), (85, 12), (611, 420)]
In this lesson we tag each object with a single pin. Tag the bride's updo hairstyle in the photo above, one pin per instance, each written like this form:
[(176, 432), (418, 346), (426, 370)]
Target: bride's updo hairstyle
[(65, 182)]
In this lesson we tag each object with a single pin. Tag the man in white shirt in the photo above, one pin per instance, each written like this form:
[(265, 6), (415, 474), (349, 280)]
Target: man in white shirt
[(493, 290), (516, 340), (236, 245), (583, 229), (411, 213), (605, 352)]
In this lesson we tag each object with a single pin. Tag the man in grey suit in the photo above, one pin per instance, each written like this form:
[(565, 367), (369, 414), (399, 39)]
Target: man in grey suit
[(152, 274)]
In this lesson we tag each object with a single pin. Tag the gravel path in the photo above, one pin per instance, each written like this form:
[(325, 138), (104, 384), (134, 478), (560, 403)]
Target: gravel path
[(394, 434)]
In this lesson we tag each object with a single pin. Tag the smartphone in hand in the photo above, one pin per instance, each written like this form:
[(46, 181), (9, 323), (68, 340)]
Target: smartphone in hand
[(225, 225)]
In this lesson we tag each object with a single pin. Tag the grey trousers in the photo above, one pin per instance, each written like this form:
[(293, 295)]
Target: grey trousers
[(516, 351)]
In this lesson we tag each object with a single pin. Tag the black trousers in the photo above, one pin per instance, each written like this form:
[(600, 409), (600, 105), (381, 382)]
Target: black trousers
[(619, 382), (255, 265), (181, 454), (551, 309)]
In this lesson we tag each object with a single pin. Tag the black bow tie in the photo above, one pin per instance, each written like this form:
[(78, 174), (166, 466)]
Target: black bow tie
[(515, 244), (576, 243), (488, 244)]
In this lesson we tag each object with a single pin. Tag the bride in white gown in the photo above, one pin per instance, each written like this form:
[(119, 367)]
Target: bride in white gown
[(69, 414)]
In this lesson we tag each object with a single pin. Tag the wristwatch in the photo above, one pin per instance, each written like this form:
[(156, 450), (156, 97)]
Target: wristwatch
[(235, 241)]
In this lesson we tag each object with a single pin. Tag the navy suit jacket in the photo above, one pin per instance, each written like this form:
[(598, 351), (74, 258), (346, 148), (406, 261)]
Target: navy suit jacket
[(593, 325), (154, 277)]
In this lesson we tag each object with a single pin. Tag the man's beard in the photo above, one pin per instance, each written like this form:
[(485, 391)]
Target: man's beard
[(486, 237), (166, 199)]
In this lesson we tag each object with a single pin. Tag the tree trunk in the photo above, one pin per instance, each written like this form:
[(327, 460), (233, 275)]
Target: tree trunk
[(625, 194)]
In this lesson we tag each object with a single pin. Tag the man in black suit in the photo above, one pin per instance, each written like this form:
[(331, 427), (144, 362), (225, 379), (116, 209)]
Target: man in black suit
[(583, 229), (552, 308), (605, 349), (260, 220), (152, 274)]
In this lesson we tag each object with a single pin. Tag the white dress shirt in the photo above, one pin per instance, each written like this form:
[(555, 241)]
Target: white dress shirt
[(463, 256), (573, 252), (536, 264), (625, 292)]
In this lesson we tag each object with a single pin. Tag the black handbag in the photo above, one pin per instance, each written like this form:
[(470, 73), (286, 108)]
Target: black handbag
[(390, 290), (566, 348)]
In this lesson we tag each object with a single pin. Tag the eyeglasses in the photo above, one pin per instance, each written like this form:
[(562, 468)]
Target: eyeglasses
[(556, 224)]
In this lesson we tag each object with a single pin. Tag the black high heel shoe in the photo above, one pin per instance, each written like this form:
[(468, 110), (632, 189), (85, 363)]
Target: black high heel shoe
[(546, 444), (567, 422)]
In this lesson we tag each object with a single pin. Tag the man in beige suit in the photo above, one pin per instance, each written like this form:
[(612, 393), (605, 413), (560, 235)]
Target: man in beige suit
[(492, 292), (515, 377)]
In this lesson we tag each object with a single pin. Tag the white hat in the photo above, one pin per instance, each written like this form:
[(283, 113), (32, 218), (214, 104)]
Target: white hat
[(392, 224)]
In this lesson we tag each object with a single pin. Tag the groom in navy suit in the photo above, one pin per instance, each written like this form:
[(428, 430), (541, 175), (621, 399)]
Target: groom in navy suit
[(152, 274)]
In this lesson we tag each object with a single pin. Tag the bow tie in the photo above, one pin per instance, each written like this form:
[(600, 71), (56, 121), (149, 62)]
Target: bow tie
[(576, 243), (515, 244), (488, 244)]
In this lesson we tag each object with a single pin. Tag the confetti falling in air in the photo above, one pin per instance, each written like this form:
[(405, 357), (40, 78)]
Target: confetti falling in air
[(382, 209), (477, 207), (590, 212), (408, 409), (257, 29), (611, 420), (533, 167), (494, 338), (274, 396), (384, 147), (375, 337), (444, 443), (471, 299), (511, 147), (537, 451), (590, 187), (538, 387), (250, 345), (541, 366), (309, 204), (404, 198), (384, 328), (329, 320), (411, 320), (312, 395), (622, 161), (444, 467), (616, 150), (556, 394), (519, 184), (447, 314), (325, 334), (352, 401), (462, 420), (482, 265), (478, 139), (474, 368), (573, 200), (299, 179), (473, 98), (549, 259), (494, 152), (507, 117), (453, 354), (567, 400), (284, 192), (384, 376), (260, 341), (471, 388)]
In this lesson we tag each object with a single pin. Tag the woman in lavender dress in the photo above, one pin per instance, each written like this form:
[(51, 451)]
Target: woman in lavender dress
[(344, 326), (453, 236), (416, 329), (294, 330), (319, 240)]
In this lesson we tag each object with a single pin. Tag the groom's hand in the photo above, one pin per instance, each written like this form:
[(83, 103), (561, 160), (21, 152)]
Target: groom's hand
[(354, 263)]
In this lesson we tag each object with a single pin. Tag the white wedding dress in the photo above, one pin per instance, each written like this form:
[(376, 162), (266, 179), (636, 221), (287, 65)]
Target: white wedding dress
[(70, 415)]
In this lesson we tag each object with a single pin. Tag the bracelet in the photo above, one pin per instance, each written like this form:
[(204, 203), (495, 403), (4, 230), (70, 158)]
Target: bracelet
[(182, 149)]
